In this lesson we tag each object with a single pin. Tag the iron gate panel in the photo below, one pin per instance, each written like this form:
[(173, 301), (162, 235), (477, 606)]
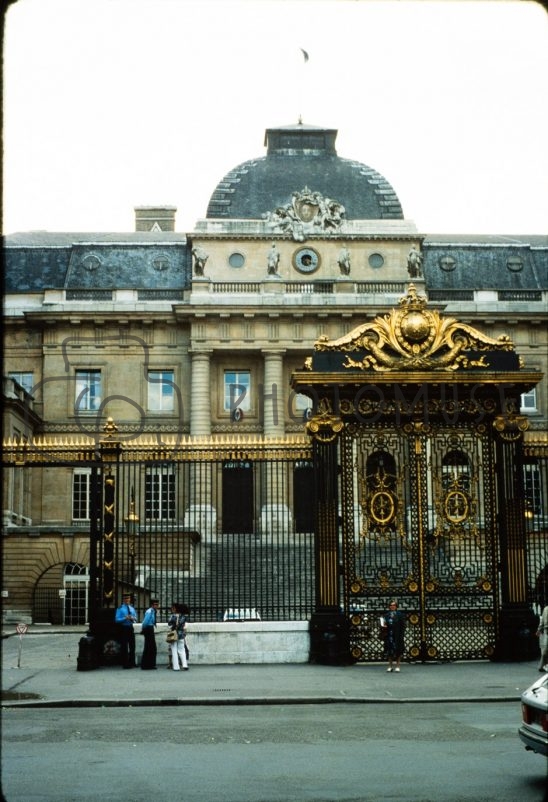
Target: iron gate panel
[(536, 524), (416, 526), (177, 538)]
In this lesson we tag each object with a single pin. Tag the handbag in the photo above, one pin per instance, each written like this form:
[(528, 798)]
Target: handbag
[(173, 634), (383, 632)]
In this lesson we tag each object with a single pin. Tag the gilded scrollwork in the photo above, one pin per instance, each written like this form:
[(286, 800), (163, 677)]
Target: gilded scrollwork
[(511, 426), (456, 508), (381, 507), (413, 337), (324, 427)]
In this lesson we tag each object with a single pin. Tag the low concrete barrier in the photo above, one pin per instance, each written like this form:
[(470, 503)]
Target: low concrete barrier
[(244, 642)]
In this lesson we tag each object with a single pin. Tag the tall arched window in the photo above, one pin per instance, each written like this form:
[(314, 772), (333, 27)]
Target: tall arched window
[(75, 587)]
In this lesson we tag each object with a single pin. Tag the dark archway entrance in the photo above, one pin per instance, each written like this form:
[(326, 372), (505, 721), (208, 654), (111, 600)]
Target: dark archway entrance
[(237, 497), (420, 486), (303, 495)]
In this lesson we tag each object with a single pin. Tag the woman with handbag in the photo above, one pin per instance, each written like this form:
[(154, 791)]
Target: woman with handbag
[(176, 636)]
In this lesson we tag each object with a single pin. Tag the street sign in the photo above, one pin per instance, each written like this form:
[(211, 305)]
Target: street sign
[(21, 630)]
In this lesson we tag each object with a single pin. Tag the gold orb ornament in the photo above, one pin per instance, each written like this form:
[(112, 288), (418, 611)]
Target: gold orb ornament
[(415, 326)]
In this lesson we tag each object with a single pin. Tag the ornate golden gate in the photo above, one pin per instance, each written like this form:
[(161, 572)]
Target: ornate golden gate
[(420, 491), (416, 504)]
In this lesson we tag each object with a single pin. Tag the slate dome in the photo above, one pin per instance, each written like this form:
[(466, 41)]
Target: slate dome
[(300, 156)]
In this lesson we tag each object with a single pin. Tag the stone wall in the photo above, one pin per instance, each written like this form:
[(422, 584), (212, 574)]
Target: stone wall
[(242, 642), (26, 557)]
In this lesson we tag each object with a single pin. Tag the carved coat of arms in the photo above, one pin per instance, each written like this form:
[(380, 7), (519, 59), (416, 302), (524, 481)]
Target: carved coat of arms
[(307, 213)]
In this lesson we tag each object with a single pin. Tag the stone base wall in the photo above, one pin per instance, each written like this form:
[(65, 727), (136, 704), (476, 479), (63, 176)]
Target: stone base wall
[(243, 642)]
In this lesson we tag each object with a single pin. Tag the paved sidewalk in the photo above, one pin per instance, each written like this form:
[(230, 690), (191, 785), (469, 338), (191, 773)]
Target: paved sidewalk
[(41, 670)]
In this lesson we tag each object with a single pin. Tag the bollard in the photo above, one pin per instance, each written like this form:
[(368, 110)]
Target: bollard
[(88, 658)]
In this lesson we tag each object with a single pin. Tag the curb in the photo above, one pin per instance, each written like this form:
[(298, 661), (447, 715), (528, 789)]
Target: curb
[(251, 700)]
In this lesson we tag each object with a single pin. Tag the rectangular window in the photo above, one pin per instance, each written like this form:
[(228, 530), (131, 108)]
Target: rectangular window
[(88, 390), (529, 401), (81, 494), (237, 390), (160, 390), (160, 493), (25, 379)]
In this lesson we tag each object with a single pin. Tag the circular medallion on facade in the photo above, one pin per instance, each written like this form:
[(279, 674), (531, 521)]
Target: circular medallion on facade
[(376, 260), (306, 260), (236, 259)]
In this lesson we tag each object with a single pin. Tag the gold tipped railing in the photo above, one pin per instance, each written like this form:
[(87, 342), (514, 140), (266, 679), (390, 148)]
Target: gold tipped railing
[(180, 448)]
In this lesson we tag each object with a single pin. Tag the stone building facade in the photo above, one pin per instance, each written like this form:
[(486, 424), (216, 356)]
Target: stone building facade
[(198, 333)]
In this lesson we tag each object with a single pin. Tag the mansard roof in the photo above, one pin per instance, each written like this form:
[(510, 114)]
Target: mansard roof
[(39, 260), (301, 156), (477, 262)]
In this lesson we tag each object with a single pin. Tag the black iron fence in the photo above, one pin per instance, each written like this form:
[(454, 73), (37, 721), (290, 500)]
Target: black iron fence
[(536, 521), (230, 537)]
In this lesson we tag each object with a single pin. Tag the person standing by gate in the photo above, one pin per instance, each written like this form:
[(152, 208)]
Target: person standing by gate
[(394, 645), (542, 635), (177, 623), (148, 660), (125, 617)]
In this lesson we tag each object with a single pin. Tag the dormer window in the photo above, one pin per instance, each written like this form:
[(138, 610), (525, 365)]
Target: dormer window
[(515, 264), (447, 263), (91, 262)]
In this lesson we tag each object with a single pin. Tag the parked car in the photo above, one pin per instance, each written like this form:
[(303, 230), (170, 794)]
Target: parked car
[(534, 711)]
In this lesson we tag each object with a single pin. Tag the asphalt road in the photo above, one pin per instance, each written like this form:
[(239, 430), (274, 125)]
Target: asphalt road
[(451, 752)]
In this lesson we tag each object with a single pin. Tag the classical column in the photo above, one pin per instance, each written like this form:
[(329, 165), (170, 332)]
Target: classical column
[(276, 515), (200, 394), (273, 394), (200, 512)]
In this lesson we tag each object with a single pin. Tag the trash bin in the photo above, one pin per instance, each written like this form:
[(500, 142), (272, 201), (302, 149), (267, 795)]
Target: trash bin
[(88, 659)]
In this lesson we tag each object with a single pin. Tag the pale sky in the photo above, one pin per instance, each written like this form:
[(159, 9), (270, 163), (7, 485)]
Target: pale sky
[(112, 104)]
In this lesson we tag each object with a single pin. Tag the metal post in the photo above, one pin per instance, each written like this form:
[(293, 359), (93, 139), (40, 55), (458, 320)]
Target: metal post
[(516, 639), (329, 633)]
